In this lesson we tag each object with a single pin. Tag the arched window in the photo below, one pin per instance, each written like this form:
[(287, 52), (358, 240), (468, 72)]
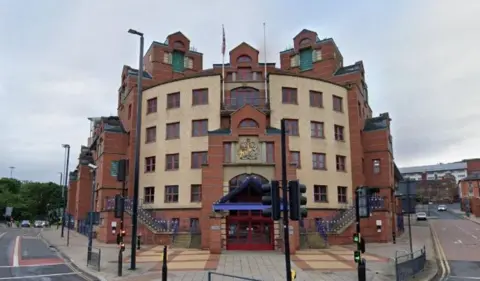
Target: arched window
[(238, 180), (248, 123), (305, 42), (244, 58), (178, 44), (244, 95)]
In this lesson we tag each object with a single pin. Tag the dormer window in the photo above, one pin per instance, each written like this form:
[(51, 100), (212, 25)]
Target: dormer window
[(248, 123), (244, 58)]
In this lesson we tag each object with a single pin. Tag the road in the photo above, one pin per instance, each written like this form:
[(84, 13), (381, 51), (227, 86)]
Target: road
[(25, 257), (460, 241)]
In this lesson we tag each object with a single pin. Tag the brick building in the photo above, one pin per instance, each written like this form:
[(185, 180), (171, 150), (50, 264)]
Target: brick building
[(470, 187), (206, 149)]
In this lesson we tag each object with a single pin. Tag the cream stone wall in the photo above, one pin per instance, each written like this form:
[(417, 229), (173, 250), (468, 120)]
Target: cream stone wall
[(308, 145), (184, 177)]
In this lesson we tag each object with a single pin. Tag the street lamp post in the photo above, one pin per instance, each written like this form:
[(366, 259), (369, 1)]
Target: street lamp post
[(138, 135), (11, 171), (64, 201), (92, 209)]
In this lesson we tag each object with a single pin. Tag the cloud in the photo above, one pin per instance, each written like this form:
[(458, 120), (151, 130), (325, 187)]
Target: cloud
[(61, 63)]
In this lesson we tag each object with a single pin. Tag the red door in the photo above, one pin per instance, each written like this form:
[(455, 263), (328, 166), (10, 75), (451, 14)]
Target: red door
[(250, 234)]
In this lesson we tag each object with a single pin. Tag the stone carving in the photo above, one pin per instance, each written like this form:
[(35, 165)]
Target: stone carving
[(248, 150)]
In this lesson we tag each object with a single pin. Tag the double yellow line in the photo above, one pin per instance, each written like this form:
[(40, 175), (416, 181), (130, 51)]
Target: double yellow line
[(442, 258)]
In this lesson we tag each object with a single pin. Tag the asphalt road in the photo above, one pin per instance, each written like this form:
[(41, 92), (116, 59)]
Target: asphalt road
[(460, 241), (25, 257)]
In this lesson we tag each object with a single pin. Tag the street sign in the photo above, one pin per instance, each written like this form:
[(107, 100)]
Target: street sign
[(8, 211), (363, 207)]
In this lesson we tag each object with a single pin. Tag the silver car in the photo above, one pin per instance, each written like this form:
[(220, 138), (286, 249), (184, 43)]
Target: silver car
[(421, 216), (441, 208)]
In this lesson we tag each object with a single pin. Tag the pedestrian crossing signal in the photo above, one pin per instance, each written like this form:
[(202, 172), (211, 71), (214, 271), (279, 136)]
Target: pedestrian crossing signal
[(356, 256), (122, 247)]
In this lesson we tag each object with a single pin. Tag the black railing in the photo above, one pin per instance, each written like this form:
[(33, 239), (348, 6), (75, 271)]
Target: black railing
[(409, 265)]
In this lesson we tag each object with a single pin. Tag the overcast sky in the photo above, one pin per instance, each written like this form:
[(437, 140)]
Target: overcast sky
[(61, 63)]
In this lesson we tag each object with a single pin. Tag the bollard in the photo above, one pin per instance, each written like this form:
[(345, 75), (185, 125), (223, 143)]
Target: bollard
[(394, 237), (164, 264)]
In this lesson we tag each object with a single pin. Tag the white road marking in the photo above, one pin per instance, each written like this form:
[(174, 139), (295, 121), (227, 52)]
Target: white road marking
[(1, 235), (475, 237), (15, 251), (464, 277), (458, 242), (33, 265), (38, 276)]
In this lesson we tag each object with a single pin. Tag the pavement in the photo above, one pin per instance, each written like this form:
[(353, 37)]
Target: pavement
[(333, 264), (25, 256), (459, 240)]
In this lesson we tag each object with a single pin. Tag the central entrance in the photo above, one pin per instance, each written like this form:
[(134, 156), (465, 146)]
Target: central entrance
[(246, 228)]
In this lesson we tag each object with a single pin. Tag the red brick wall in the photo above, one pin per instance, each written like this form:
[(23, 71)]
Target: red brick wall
[(72, 198), (473, 166), (84, 192)]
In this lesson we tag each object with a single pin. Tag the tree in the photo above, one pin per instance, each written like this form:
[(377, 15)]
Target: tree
[(30, 200)]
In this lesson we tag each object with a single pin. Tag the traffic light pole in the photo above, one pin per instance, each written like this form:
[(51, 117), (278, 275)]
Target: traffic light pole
[(286, 238), (122, 225)]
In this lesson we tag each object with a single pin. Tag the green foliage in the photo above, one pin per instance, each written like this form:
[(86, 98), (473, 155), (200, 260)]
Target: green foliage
[(30, 200)]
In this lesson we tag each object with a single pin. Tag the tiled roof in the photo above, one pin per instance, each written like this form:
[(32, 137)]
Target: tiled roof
[(434, 168)]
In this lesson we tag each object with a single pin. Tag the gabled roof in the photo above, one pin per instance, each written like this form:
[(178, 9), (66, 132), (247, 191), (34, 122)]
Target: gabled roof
[(246, 45)]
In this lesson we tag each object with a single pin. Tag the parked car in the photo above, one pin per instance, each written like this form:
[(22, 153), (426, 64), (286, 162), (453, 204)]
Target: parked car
[(39, 224), (441, 208), (25, 223), (421, 216)]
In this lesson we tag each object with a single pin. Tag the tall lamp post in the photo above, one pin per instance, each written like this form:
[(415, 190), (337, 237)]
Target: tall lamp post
[(138, 135), (12, 168), (64, 201), (93, 169)]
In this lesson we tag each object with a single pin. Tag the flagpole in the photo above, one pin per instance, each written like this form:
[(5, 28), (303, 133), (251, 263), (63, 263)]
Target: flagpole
[(223, 64), (265, 65)]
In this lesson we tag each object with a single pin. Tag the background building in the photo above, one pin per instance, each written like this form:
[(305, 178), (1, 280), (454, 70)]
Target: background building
[(432, 172), (206, 150)]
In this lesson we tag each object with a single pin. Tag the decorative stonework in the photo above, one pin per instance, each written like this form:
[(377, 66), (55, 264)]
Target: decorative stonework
[(248, 150)]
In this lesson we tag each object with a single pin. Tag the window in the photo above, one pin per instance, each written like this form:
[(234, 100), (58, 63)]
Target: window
[(172, 162), (318, 161), (316, 99), (173, 100), (289, 95), (150, 164), (320, 193), (171, 194), (292, 127), (270, 152), (178, 61), (341, 163), (167, 58), (198, 159), (195, 193), (337, 104), (317, 129), (151, 134), (306, 59), (149, 195), (173, 131), (227, 152), (339, 133), (244, 58), (295, 158), (244, 74), (248, 123), (200, 96), (199, 128), (152, 105), (342, 194), (295, 61), (188, 63), (376, 166)]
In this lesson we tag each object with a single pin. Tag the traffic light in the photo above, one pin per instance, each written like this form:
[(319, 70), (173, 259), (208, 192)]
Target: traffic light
[(271, 198), (298, 202), (360, 242), (122, 247), (119, 206)]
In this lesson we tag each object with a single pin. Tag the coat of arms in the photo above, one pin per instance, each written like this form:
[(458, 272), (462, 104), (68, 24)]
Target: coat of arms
[(248, 150)]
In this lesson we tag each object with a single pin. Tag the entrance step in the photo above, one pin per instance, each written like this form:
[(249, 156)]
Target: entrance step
[(182, 241)]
